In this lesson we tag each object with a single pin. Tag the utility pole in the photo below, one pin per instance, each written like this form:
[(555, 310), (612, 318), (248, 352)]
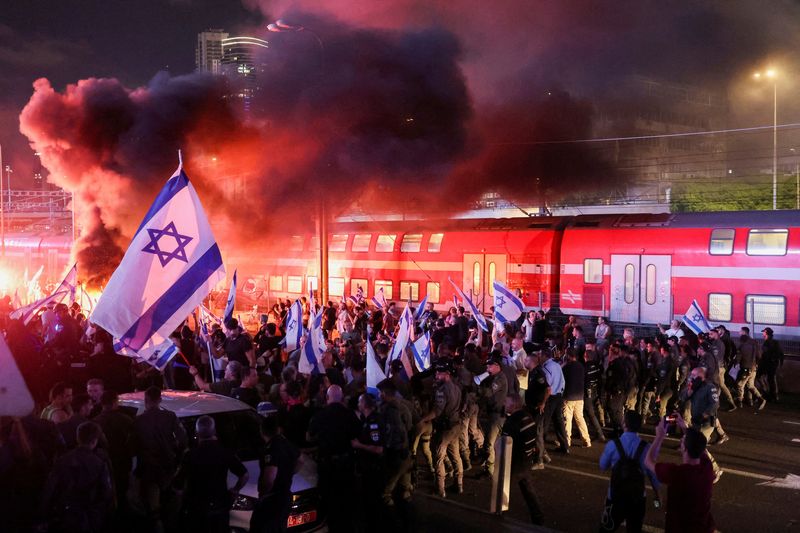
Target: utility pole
[(2, 210)]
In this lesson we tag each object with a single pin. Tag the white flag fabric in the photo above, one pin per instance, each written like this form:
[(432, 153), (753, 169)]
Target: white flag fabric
[(171, 265), (70, 283), (507, 307), (422, 352), (375, 373), (16, 302), (380, 299), (479, 318), (405, 324), (294, 326), (421, 309), (231, 302), (695, 319), (27, 312), (314, 346)]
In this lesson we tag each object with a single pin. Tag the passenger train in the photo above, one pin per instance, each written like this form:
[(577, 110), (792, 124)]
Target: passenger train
[(743, 268)]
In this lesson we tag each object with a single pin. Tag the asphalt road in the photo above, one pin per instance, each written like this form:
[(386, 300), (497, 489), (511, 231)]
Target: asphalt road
[(759, 491)]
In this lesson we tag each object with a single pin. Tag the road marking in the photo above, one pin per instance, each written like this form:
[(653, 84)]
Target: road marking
[(753, 475), (795, 440), (791, 481), (579, 472), (791, 422)]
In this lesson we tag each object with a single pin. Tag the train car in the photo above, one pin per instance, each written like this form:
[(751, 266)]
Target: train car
[(30, 252), (743, 268)]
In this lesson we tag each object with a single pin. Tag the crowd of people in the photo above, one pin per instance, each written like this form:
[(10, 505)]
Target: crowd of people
[(69, 465)]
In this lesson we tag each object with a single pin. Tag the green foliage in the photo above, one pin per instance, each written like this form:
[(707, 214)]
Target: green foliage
[(739, 194)]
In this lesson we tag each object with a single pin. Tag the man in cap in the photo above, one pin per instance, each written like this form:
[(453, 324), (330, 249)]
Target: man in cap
[(771, 358), (554, 407), (445, 416), (493, 391), (747, 355)]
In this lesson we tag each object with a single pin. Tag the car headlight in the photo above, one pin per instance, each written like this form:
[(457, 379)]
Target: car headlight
[(244, 503)]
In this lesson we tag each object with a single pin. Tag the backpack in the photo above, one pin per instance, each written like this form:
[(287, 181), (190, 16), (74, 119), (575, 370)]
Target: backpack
[(627, 477)]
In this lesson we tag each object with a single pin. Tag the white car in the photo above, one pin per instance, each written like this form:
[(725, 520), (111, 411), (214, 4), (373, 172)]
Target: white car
[(238, 427)]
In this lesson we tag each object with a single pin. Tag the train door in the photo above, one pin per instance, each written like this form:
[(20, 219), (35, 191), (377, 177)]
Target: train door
[(641, 288), (480, 270)]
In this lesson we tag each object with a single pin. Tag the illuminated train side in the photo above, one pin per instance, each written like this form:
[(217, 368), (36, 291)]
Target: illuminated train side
[(633, 269), (25, 252)]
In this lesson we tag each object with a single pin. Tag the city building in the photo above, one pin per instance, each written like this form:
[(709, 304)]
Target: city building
[(208, 52), (243, 64)]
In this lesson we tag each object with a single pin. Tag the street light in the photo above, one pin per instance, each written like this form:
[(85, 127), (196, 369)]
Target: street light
[(771, 74)]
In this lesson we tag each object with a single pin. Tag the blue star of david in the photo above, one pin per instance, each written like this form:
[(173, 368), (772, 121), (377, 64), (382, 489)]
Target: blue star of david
[(501, 301), (696, 318), (165, 257)]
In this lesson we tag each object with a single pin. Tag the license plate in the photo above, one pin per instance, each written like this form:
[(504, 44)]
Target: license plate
[(300, 519)]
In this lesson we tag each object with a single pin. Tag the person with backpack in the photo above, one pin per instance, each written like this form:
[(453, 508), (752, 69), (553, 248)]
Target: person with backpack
[(626, 499)]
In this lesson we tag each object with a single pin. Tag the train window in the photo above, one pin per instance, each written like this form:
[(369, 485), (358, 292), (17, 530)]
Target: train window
[(355, 283), (762, 309), (432, 290), (386, 285), (720, 307), (629, 283), (276, 283), (409, 290), (721, 242), (337, 243), (593, 271), (476, 277), (767, 241), (313, 245), (361, 243), (435, 242), (411, 242), (336, 286), (385, 243), (294, 284), (312, 283), (297, 244), (650, 285), (492, 275)]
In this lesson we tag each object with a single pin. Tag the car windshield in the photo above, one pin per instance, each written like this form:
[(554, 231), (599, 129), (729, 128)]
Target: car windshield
[(237, 431)]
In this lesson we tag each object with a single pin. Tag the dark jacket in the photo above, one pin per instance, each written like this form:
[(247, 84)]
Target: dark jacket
[(160, 441)]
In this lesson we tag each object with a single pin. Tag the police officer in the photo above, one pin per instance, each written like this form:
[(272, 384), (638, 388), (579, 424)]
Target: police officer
[(369, 447), (493, 392), (333, 429), (278, 464), (704, 398), (593, 371), (771, 358), (397, 425), (522, 429), (717, 348), (747, 354), (470, 429), (535, 398), (446, 418)]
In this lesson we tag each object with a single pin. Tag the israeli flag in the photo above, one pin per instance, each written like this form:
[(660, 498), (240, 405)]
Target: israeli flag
[(507, 307), (695, 319), (403, 334), (479, 318), (374, 372), (171, 265), (380, 300), (422, 352), (207, 316), (314, 346), (231, 302), (421, 309), (294, 326), (27, 312), (69, 283)]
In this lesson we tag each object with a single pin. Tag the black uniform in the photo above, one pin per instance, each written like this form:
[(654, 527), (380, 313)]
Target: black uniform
[(535, 397), (593, 372), (522, 430), (371, 468), (272, 510)]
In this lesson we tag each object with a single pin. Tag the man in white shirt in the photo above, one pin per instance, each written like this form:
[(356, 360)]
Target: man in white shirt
[(673, 331), (518, 356)]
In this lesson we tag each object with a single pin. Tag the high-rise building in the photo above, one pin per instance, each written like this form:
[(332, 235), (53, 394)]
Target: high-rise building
[(208, 52), (243, 64)]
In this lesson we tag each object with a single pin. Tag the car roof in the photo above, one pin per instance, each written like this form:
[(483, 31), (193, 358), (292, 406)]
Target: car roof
[(187, 403)]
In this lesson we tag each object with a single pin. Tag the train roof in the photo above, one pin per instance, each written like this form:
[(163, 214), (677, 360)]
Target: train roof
[(727, 219)]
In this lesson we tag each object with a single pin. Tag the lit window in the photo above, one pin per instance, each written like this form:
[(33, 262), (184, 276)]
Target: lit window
[(336, 286), (294, 284), (476, 277), (385, 243), (312, 283), (361, 243), (432, 290), (720, 307), (337, 243), (765, 309), (409, 290), (411, 242), (355, 283), (492, 273), (593, 271), (297, 244), (721, 242), (435, 242), (650, 285), (629, 283), (276, 283), (767, 241), (386, 286)]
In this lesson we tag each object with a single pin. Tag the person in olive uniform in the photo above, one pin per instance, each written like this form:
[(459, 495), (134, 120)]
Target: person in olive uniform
[(397, 419), (369, 446), (494, 390), (446, 418), (522, 429)]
